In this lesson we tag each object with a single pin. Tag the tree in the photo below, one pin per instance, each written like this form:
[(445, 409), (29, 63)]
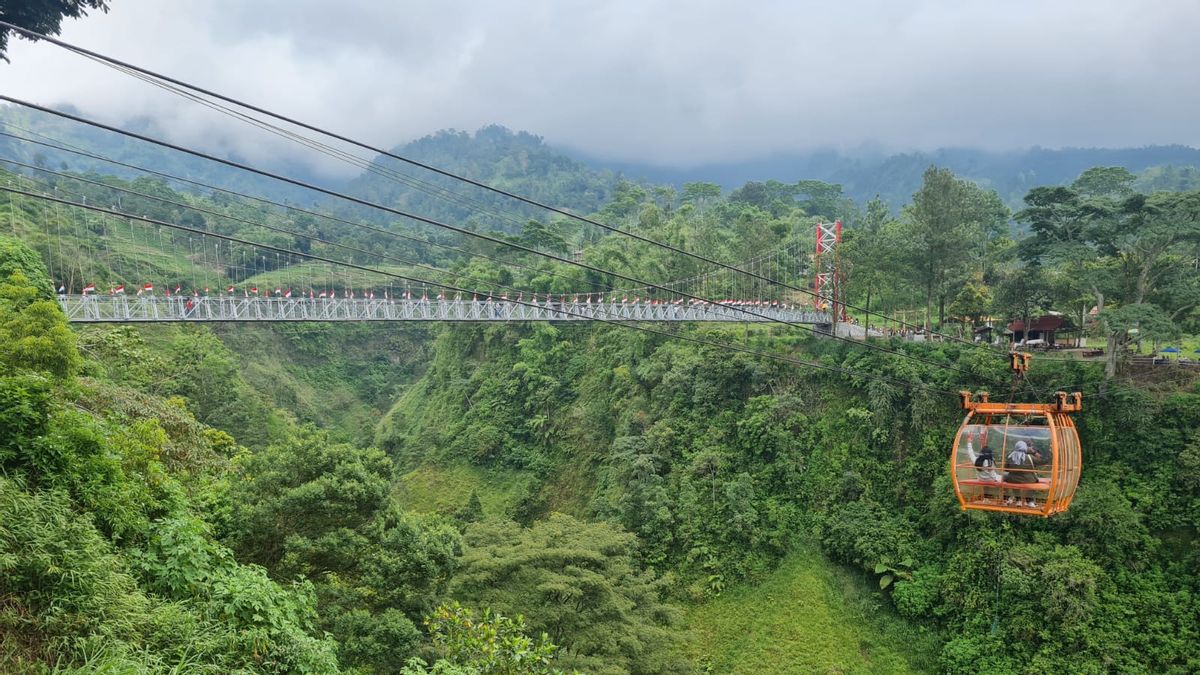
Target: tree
[(543, 237), (700, 194), (972, 302), (490, 644), (1126, 249), (309, 507), (42, 16), (865, 254), (575, 581), (1023, 293), (946, 230)]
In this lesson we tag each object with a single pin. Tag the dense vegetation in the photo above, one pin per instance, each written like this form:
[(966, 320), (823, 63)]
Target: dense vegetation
[(215, 500)]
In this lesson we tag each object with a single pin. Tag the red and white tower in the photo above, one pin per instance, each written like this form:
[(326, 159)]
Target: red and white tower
[(827, 282)]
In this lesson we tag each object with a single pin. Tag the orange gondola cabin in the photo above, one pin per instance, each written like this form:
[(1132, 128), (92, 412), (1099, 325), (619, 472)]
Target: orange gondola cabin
[(1021, 458)]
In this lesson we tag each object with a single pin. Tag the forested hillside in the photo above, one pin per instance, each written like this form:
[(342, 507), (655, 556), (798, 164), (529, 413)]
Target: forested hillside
[(518, 162), (894, 177), (544, 498)]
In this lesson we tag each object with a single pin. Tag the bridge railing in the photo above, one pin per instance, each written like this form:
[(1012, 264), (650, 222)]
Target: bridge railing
[(145, 309)]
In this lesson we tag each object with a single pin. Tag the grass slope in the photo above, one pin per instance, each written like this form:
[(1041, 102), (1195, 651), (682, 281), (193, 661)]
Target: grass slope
[(445, 489), (807, 617)]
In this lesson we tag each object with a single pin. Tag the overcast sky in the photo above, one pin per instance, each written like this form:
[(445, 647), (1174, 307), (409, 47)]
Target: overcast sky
[(670, 83)]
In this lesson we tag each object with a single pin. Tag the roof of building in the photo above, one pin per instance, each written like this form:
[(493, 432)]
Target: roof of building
[(1047, 322)]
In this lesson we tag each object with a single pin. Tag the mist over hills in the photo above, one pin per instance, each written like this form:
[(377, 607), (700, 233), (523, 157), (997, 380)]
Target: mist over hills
[(895, 177), (526, 164)]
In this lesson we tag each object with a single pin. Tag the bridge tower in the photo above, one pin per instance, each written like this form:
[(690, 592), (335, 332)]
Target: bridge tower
[(827, 283)]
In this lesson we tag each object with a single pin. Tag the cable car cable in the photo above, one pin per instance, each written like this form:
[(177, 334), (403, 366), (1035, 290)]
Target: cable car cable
[(272, 228), (454, 228), (66, 148), (127, 67), (311, 256)]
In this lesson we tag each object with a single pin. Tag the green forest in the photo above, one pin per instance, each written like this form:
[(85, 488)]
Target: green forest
[(564, 497)]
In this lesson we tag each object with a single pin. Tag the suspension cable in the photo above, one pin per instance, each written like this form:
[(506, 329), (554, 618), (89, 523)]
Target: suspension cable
[(436, 223), (66, 147), (143, 73), (453, 289)]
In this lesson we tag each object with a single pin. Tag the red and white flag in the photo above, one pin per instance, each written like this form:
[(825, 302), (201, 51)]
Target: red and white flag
[(323, 294), (288, 294), (229, 290), (90, 288), (119, 290), (147, 287), (278, 291)]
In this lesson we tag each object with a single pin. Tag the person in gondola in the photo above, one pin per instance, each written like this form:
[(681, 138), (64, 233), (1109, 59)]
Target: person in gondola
[(985, 463), (1025, 459)]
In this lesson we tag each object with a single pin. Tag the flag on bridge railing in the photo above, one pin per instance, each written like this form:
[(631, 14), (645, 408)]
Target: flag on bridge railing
[(288, 294), (89, 289), (230, 290), (119, 290)]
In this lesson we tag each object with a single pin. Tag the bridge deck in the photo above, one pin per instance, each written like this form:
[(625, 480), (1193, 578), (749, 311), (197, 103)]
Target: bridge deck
[(144, 309)]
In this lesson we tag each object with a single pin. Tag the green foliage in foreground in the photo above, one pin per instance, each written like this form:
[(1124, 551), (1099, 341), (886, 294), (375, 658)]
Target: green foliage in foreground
[(103, 558)]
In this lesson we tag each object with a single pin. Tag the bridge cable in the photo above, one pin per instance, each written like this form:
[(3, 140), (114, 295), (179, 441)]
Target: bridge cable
[(66, 147), (63, 146), (460, 230), (403, 277), (126, 67), (158, 81), (246, 221), (326, 149)]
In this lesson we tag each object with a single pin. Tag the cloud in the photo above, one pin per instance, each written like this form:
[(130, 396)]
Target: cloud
[(672, 83)]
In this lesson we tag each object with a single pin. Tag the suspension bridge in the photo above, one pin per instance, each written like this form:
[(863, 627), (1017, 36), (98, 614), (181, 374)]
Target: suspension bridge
[(770, 288), (86, 308)]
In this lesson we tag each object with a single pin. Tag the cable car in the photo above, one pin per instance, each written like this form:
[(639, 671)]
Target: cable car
[(1021, 458)]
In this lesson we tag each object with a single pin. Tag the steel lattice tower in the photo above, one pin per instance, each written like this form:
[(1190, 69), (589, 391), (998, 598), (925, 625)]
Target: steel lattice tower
[(827, 282)]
